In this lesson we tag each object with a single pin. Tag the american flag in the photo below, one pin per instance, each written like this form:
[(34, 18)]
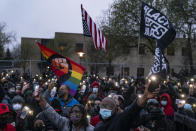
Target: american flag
[(90, 29)]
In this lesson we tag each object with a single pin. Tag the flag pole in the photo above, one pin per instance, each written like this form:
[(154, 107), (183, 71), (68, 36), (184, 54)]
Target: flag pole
[(86, 56), (139, 39)]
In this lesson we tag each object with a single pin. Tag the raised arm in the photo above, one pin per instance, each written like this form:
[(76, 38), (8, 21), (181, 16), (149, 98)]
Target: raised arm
[(131, 115), (52, 115)]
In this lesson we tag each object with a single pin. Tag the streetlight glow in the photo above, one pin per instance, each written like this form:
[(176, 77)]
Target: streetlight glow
[(81, 54)]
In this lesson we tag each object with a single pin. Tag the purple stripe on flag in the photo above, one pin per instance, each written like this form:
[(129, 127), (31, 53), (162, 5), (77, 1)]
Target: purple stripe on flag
[(72, 92), (70, 84)]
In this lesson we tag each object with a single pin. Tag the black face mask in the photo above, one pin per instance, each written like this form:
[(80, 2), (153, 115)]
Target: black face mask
[(61, 94), (3, 123)]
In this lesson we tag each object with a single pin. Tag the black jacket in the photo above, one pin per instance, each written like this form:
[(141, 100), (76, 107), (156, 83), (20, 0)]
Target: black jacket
[(123, 121)]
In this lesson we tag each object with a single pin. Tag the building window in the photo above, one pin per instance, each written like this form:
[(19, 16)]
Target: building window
[(142, 50), (171, 51), (184, 51), (140, 72), (126, 71), (79, 47)]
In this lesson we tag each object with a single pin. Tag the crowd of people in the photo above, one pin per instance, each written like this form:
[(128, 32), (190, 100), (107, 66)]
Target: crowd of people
[(41, 103)]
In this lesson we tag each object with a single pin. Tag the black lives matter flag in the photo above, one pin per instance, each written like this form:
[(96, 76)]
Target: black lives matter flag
[(157, 26), (159, 64)]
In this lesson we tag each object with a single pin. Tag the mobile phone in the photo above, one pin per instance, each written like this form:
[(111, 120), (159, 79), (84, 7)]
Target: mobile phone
[(24, 113), (36, 89), (154, 80)]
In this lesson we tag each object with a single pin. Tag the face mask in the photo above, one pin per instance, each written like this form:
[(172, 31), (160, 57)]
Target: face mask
[(11, 91), (61, 94), (105, 113), (163, 103), (187, 107), (17, 107), (95, 90), (75, 118)]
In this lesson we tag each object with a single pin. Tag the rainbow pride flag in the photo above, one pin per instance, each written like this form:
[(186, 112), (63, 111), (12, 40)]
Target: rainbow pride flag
[(67, 71)]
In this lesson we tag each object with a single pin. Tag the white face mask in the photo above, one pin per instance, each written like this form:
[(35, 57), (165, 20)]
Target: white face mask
[(95, 90), (12, 90), (105, 113), (17, 107), (163, 103)]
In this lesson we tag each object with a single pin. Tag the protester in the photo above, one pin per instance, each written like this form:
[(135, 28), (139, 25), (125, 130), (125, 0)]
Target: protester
[(17, 103), (64, 97), (95, 92), (42, 122), (125, 120), (10, 94), (4, 116), (153, 118), (166, 105), (77, 120)]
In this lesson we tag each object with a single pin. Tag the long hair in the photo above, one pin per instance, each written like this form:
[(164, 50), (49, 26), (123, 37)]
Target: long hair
[(84, 121)]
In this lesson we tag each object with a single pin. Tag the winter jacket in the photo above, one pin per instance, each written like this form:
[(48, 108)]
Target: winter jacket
[(123, 121), (62, 123), (48, 124), (95, 120), (66, 106), (168, 109)]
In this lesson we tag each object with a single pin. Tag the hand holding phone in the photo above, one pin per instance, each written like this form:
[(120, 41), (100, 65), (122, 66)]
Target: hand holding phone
[(154, 80), (36, 89), (24, 113)]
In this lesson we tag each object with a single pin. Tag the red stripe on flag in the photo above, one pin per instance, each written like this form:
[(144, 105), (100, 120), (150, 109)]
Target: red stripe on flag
[(95, 31), (106, 46), (91, 26), (86, 17), (100, 39)]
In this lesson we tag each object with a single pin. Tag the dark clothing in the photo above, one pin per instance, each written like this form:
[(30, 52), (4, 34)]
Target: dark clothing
[(7, 100), (47, 122), (123, 121)]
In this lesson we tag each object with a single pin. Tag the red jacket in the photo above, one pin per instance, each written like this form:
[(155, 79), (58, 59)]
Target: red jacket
[(168, 109), (9, 127), (95, 120)]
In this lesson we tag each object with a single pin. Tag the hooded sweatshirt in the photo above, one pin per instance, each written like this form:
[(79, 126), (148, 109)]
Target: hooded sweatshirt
[(95, 84), (168, 109)]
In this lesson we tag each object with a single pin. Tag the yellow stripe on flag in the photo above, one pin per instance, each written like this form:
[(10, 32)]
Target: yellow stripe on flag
[(45, 55), (76, 75)]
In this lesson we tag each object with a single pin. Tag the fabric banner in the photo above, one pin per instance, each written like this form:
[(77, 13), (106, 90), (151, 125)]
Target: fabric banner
[(157, 26), (68, 72)]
